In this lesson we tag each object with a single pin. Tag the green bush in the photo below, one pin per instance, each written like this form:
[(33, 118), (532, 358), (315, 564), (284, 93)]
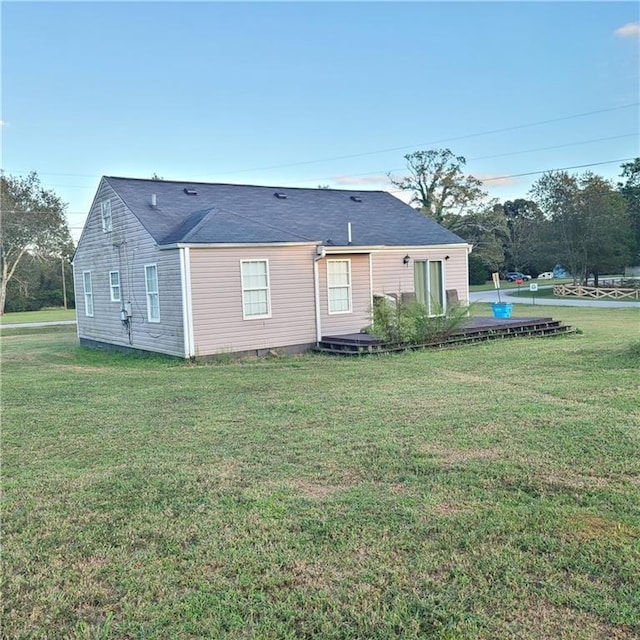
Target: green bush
[(408, 322)]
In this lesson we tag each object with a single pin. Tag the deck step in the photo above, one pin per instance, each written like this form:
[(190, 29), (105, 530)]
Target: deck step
[(362, 344)]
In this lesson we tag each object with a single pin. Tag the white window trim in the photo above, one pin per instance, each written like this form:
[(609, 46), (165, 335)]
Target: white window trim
[(107, 220), (150, 293), (267, 288), (112, 287), (88, 294), (349, 288)]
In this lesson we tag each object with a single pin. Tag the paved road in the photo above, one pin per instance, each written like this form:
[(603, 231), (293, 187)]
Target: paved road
[(508, 295)]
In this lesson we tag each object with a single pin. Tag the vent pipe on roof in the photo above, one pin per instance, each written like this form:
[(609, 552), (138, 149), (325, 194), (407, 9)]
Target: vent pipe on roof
[(348, 233), (154, 200)]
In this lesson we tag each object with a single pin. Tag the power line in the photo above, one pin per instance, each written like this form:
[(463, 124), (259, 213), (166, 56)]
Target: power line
[(374, 152), (533, 173), (498, 155), (424, 144)]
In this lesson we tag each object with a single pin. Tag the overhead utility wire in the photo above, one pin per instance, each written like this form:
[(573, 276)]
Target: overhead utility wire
[(533, 173), (513, 175), (369, 173), (367, 153), (497, 155), (423, 144)]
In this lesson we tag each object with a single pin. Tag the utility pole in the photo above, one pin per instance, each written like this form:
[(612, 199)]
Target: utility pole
[(64, 284)]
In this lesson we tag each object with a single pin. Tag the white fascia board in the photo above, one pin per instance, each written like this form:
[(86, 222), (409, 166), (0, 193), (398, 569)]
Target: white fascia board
[(236, 245), (400, 248)]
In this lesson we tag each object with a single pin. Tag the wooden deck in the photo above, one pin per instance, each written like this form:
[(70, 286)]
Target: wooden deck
[(476, 329)]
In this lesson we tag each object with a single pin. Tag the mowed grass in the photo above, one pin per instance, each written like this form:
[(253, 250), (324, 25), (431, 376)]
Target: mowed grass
[(44, 315), (491, 491)]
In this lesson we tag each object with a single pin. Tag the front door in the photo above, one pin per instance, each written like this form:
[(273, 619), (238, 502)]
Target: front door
[(429, 284)]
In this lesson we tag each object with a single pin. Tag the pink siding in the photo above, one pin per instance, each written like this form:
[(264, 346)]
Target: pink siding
[(392, 276), (360, 316), (216, 290)]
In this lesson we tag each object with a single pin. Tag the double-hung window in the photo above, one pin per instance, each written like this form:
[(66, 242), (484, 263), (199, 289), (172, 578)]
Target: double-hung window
[(106, 216), (153, 299), (339, 285), (256, 298), (88, 293), (114, 285)]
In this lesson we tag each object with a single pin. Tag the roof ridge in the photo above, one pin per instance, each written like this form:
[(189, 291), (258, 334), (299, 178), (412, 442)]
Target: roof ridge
[(238, 184)]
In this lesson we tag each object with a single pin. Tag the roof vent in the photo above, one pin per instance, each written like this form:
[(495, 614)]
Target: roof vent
[(356, 198), (190, 192), (280, 195)]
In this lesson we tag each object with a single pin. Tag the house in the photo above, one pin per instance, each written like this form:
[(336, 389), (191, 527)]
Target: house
[(198, 269)]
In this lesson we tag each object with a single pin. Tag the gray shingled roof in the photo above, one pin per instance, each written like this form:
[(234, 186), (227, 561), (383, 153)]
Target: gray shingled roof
[(232, 213)]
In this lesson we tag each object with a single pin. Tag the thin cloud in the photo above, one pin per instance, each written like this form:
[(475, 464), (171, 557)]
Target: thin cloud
[(629, 30), (360, 180)]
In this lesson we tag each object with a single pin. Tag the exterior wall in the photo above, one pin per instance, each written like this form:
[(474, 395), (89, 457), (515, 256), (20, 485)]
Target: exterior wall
[(360, 316), (127, 249), (392, 276), (216, 293)]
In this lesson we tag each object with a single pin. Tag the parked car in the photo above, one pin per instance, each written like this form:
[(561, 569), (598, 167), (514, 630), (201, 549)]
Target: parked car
[(545, 275), (512, 276)]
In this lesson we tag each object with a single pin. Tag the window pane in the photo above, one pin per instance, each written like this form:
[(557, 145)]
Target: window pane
[(338, 273), (339, 299), (154, 307), (256, 303), (254, 275), (152, 279)]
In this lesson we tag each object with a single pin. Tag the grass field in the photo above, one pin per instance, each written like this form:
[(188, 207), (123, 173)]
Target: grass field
[(491, 491), (44, 315)]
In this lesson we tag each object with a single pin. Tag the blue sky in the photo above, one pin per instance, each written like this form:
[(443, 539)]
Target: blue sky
[(302, 94)]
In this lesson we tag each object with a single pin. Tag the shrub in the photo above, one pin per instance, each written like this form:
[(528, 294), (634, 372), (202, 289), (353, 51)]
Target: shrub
[(408, 322)]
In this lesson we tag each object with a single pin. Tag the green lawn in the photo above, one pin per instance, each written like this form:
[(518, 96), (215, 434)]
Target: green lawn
[(491, 491), (44, 315)]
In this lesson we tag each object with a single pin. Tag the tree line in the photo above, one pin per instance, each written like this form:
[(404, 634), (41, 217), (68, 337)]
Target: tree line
[(589, 225)]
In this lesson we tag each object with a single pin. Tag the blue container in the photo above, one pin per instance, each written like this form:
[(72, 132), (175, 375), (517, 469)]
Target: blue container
[(501, 309)]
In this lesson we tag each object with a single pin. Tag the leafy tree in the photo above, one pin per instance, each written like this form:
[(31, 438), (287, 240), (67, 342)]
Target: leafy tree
[(523, 220), (32, 224), (486, 229), (589, 219), (39, 283), (630, 189), (438, 183)]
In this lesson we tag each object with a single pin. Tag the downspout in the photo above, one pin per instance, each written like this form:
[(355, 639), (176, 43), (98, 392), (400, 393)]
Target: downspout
[(187, 314), (371, 285), (320, 253)]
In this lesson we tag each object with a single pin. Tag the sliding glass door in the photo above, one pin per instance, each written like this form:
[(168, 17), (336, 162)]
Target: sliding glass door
[(429, 284)]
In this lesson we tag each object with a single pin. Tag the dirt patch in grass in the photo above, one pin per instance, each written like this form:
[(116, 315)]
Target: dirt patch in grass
[(593, 527), (318, 490), (79, 368), (545, 621), (451, 457)]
